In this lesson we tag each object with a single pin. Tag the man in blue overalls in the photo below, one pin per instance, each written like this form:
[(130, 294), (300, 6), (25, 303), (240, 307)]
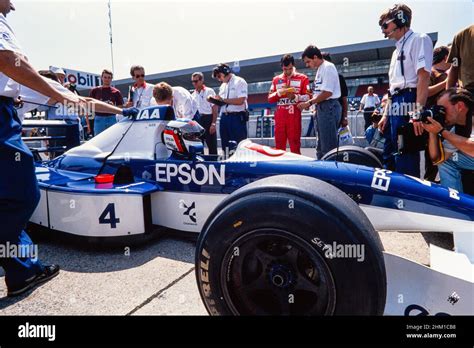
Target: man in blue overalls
[(409, 77), (19, 193)]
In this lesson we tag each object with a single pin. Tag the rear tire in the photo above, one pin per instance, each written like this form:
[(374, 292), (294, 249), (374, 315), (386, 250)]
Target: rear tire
[(266, 251), (353, 154)]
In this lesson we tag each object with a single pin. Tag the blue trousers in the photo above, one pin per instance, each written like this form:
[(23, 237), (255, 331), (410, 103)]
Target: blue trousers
[(101, 123), (232, 128), (19, 195), (450, 170), (408, 163)]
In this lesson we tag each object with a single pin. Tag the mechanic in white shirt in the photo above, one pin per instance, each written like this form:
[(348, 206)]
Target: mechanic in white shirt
[(233, 92), (19, 192), (207, 111), (370, 101), (326, 92), (179, 98), (140, 94), (409, 77)]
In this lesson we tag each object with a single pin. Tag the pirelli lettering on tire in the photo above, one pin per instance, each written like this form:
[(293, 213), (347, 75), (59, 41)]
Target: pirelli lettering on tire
[(200, 174), (204, 281)]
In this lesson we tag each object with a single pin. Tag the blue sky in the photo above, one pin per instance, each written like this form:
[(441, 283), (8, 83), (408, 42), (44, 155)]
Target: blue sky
[(164, 35)]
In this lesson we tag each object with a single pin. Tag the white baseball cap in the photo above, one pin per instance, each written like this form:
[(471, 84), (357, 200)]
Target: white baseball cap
[(56, 70)]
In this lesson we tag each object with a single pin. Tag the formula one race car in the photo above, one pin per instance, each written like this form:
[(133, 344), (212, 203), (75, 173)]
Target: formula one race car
[(279, 233)]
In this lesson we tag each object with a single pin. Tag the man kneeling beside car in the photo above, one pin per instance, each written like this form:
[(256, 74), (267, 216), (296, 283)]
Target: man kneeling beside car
[(452, 148)]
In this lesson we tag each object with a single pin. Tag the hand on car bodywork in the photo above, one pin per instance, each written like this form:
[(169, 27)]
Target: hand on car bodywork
[(130, 112)]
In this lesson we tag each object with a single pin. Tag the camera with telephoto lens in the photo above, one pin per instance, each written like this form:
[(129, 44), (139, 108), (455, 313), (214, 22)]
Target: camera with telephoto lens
[(436, 112)]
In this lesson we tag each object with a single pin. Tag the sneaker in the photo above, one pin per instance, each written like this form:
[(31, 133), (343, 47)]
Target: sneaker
[(48, 273)]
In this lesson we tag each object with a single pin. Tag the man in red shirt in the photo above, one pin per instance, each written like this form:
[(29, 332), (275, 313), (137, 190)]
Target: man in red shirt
[(288, 89), (107, 94)]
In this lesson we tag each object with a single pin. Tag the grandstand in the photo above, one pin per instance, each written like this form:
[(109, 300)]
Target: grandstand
[(362, 64)]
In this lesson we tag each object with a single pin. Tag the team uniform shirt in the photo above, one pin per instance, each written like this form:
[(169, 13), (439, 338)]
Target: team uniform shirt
[(299, 82), (236, 88), (417, 54), (54, 112), (143, 96), (203, 106), (370, 101), (8, 42), (327, 79), (184, 104), (462, 53)]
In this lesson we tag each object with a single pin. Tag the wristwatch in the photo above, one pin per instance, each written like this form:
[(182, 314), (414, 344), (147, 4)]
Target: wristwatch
[(440, 133)]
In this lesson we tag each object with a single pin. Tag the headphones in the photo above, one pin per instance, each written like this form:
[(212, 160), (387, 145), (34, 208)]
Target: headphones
[(400, 18), (221, 68)]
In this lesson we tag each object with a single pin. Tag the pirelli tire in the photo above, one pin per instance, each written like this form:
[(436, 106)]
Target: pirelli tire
[(273, 248), (353, 154)]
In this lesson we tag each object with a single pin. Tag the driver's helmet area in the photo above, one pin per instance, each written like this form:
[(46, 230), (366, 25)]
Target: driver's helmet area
[(183, 137)]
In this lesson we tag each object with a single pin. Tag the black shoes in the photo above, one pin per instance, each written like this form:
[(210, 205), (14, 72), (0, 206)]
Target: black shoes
[(49, 273)]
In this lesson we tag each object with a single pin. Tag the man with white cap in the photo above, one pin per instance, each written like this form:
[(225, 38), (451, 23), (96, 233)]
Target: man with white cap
[(60, 74)]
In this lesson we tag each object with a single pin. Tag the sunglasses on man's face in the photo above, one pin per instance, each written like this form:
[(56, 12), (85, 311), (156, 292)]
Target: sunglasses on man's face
[(385, 24), (138, 76), (195, 81)]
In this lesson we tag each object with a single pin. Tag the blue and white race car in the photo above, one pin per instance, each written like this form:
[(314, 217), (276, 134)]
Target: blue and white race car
[(279, 233)]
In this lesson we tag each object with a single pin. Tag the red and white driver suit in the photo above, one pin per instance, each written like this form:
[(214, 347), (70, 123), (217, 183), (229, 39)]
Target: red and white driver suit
[(287, 115)]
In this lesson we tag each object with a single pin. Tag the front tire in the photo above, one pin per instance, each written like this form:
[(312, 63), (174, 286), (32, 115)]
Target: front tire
[(270, 248)]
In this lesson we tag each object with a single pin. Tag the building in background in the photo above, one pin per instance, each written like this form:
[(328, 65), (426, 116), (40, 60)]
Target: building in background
[(362, 64)]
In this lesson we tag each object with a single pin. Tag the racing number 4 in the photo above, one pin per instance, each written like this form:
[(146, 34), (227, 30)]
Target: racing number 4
[(112, 220)]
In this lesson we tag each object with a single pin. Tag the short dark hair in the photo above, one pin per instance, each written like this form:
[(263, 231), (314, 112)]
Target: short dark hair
[(440, 53), (134, 68), (49, 75), (326, 56), (221, 68), (199, 74), (392, 12), (108, 72), (162, 91), (456, 94), (311, 51), (287, 59)]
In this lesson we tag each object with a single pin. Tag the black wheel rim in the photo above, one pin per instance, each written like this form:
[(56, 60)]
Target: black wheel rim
[(275, 272)]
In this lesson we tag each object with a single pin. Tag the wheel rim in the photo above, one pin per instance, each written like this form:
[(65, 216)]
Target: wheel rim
[(275, 272)]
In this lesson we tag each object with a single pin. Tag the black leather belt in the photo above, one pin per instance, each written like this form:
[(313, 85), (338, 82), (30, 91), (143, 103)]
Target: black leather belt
[(399, 91), (233, 113)]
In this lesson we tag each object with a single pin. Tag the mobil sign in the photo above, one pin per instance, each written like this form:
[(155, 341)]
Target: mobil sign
[(82, 80)]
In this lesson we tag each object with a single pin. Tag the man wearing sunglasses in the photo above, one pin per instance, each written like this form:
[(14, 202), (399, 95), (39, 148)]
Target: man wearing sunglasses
[(140, 94), (207, 111), (409, 77)]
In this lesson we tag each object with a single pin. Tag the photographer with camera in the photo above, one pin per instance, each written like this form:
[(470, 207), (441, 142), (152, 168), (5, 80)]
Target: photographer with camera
[(409, 77), (372, 133), (452, 150)]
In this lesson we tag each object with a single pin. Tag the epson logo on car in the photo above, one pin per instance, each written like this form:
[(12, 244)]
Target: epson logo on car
[(145, 114), (201, 174)]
